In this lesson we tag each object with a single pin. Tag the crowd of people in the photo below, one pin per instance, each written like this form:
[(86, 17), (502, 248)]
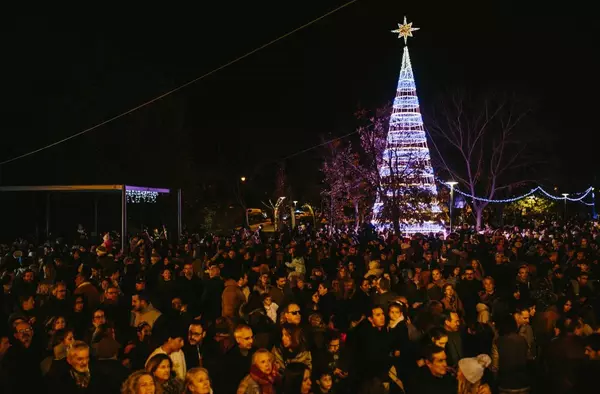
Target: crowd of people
[(515, 310)]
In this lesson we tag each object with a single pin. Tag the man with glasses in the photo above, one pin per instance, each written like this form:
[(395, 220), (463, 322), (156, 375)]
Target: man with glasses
[(200, 351), (292, 314), (98, 319), (22, 362)]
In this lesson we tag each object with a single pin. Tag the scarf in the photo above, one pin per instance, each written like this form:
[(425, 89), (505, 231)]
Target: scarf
[(82, 380), (394, 323), (265, 381)]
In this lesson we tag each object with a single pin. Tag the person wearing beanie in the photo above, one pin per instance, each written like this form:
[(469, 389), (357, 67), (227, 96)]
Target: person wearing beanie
[(470, 372)]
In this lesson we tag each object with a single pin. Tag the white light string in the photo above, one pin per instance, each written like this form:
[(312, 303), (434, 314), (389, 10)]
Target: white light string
[(532, 191)]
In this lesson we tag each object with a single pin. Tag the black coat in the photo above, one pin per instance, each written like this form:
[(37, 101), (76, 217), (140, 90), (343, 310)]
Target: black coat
[(60, 381), (234, 367), (373, 351), (191, 292), (211, 298), (424, 382), (22, 367), (112, 374)]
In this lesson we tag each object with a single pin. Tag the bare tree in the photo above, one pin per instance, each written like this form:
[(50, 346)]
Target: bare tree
[(337, 176), (396, 177), (482, 143)]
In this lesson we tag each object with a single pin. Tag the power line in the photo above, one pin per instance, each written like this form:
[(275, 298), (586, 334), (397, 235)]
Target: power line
[(179, 87), (316, 146)]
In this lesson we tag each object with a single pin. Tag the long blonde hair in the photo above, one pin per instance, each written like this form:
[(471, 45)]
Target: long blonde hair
[(466, 387)]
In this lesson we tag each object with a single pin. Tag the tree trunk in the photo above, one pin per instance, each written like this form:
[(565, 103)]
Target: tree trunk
[(356, 216), (396, 220), (478, 217)]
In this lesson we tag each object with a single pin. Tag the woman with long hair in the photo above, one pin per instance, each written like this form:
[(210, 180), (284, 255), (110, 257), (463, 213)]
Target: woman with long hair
[(451, 301), (470, 373), (478, 269), (454, 277), (60, 343), (161, 368), (139, 382), (197, 381), (434, 288), (52, 325), (296, 379), (292, 348)]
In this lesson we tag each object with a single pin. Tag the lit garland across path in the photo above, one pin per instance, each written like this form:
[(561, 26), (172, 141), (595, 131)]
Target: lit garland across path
[(583, 195)]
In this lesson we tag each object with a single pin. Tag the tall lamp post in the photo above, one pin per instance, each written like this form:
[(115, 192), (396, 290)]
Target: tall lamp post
[(565, 195), (243, 199), (451, 184)]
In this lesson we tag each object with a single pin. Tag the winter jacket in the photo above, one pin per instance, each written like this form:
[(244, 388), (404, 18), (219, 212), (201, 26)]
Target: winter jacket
[(232, 299), (282, 359), (148, 315)]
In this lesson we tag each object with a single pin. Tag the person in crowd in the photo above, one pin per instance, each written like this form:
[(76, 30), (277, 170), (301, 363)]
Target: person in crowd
[(232, 297), (297, 379), (136, 351), (171, 344), (88, 290), (76, 376), (199, 350), (263, 376), (323, 382), (291, 314), (62, 341), (292, 348), (21, 361), (470, 375), (373, 311), (454, 346), (142, 310), (509, 357), (433, 377), (139, 382), (161, 368), (237, 360), (197, 381)]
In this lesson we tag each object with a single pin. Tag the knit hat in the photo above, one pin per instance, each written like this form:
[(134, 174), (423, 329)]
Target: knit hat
[(472, 368), (374, 269)]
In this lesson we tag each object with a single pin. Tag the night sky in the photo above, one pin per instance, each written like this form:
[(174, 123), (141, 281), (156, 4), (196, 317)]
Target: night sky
[(66, 72)]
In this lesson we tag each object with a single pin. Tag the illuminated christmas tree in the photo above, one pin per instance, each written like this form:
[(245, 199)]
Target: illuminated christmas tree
[(407, 183)]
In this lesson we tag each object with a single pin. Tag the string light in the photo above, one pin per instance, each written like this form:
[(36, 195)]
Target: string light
[(141, 196), (583, 194), (406, 143)]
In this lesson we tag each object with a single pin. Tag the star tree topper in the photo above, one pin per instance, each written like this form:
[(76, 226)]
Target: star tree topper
[(405, 30)]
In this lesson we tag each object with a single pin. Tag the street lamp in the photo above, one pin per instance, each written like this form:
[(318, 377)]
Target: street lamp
[(451, 184), (243, 179), (565, 197)]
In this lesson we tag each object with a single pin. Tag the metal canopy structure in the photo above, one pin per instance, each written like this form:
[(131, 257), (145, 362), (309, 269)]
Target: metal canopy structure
[(122, 189)]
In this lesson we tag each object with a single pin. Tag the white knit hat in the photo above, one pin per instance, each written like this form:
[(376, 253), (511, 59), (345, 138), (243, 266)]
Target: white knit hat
[(472, 368)]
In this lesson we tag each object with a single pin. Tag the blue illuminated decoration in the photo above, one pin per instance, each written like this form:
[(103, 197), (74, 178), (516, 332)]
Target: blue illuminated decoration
[(406, 143), (582, 195)]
